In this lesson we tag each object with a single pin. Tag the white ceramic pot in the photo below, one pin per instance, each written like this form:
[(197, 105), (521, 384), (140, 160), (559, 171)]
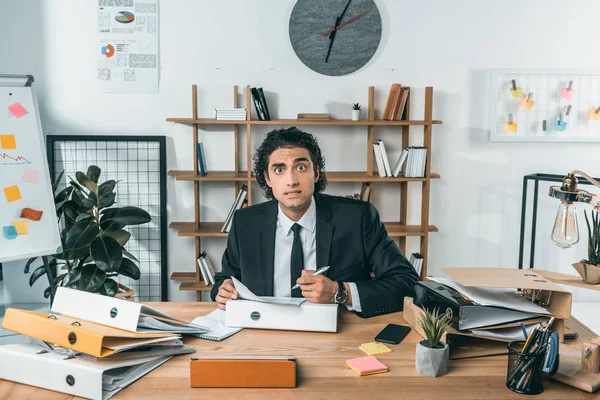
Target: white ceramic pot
[(356, 115), (430, 361)]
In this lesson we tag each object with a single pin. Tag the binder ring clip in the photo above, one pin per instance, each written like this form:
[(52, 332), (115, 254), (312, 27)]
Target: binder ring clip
[(255, 315), (72, 337), (114, 312), (75, 323), (70, 380), (52, 316), (449, 313)]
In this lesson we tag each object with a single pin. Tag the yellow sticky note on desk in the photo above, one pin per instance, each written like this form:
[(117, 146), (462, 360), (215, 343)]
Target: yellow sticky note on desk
[(374, 348), (510, 128), (8, 142), (12, 193), (21, 227)]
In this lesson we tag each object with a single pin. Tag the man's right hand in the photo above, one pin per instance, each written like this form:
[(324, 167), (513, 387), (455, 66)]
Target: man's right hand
[(226, 292)]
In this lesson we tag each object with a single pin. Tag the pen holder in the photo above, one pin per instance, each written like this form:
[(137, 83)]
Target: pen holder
[(524, 374)]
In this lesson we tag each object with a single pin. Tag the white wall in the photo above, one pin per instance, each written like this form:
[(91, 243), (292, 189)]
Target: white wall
[(216, 44)]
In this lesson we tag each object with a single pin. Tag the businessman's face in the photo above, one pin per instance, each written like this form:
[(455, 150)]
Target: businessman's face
[(292, 178)]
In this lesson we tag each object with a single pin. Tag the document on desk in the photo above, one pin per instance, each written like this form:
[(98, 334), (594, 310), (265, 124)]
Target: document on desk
[(496, 297), (246, 294)]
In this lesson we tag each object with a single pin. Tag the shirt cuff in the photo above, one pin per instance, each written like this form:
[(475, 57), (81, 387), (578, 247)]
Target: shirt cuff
[(355, 298)]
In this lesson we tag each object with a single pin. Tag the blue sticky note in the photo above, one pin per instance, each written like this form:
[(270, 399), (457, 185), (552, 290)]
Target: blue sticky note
[(560, 127), (10, 232)]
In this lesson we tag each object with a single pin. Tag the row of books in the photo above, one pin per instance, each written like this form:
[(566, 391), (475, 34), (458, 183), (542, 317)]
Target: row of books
[(201, 158), (416, 260), (260, 104), (395, 106), (410, 163), (206, 269), (230, 114), (240, 201)]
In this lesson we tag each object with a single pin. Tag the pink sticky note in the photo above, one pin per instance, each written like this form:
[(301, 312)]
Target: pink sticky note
[(565, 93), (366, 365), (30, 175), (17, 110), (593, 115)]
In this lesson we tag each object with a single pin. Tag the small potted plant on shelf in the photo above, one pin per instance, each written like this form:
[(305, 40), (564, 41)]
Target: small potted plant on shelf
[(432, 354), (356, 111), (590, 269), (93, 239)]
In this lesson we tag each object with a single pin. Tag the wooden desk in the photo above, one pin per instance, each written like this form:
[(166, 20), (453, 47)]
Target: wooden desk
[(322, 373)]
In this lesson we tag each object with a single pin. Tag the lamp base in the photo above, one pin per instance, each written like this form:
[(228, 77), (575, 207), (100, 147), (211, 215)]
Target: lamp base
[(589, 273)]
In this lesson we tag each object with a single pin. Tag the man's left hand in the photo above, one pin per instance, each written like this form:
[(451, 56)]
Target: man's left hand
[(317, 289)]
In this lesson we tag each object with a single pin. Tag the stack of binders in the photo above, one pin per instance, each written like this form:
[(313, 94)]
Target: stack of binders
[(93, 345), (416, 260), (230, 114), (239, 202)]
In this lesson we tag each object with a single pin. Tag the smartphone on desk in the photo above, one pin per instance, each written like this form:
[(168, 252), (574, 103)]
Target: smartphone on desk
[(392, 333)]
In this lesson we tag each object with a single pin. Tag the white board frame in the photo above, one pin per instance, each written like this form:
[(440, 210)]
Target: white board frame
[(565, 74)]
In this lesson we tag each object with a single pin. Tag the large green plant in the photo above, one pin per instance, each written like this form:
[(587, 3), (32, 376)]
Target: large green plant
[(92, 236), (593, 238), (434, 325)]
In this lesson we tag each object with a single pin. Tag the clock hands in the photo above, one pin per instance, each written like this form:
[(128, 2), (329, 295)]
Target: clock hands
[(347, 22), (332, 34)]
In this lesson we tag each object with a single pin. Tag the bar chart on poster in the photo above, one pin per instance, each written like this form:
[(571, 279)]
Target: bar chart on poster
[(28, 224)]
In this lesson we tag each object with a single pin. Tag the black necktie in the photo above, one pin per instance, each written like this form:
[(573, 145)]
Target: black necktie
[(296, 261)]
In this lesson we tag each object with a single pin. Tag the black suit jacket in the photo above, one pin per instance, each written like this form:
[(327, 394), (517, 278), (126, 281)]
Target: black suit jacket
[(349, 237)]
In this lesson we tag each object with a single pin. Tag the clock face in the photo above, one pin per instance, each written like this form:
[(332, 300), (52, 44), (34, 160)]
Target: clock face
[(330, 51)]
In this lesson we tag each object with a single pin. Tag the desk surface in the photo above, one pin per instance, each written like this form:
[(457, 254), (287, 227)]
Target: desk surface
[(321, 367)]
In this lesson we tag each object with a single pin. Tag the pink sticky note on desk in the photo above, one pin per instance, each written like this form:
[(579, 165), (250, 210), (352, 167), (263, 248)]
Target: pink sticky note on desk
[(17, 110), (366, 366), (565, 93), (30, 175), (593, 115)]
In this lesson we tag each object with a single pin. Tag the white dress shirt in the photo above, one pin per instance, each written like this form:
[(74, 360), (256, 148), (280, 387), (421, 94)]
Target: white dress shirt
[(284, 240)]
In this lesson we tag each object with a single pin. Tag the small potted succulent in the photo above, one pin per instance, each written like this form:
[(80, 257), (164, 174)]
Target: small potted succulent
[(356, 112), (432, 354), (590, 269)]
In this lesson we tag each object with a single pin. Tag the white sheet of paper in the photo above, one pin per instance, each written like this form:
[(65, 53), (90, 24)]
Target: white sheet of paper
[(246, 294), (497, 297)]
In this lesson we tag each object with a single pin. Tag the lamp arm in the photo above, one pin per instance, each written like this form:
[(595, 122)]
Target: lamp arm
[(586, 176)]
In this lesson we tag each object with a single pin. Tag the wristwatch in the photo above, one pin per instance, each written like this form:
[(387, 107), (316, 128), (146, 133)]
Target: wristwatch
[(341, 295)]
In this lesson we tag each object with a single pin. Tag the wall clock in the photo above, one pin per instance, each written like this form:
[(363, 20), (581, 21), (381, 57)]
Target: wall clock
[(335, 37)]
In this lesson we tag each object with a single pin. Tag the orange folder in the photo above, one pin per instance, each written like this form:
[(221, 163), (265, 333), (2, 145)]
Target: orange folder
[(243, 371)]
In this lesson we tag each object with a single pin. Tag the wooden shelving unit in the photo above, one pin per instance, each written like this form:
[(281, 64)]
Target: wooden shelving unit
[(192, 281)]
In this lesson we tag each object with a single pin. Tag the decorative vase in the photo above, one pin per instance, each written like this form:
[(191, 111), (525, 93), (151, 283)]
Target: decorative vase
[(356, 115), (590, 273), (430, 361)]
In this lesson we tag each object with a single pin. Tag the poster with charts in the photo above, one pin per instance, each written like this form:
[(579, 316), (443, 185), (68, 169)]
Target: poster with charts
[(127, 48)]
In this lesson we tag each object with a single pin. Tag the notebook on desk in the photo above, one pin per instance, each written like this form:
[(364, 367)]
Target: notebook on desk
[(215, 321)]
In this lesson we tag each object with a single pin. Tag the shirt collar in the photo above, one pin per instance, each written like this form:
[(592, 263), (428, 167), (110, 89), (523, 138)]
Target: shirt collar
[(308, 220)]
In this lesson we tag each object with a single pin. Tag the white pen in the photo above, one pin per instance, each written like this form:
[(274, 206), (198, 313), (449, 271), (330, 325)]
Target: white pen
[(317, 272)]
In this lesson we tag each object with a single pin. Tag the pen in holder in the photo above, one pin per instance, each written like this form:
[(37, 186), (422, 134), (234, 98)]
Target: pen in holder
[(525, 364)]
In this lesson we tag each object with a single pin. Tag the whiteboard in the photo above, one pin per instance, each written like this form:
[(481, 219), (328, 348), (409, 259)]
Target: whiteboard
[(22, 158), (547, 86)]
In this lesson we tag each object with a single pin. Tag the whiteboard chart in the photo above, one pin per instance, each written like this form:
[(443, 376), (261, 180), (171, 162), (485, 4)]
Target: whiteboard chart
[(564, 106)]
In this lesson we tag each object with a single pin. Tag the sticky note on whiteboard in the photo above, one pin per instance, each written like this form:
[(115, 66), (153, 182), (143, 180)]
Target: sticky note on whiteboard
[(12, 193), (594, 115), (567, 94), (10, 232), (17, 110), (8, 142), (21, 227), (30, 175), (510, 128)]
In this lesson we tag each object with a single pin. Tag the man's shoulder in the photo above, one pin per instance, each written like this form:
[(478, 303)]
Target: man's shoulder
[(342, 204), (255, 211)]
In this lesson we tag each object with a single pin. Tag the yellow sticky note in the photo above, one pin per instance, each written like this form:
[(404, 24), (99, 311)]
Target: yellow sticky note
[(21, 227), (8, 142), (510, 128), (516, 93), (527, 104), (374, 348), (12, 193), (593, 115)]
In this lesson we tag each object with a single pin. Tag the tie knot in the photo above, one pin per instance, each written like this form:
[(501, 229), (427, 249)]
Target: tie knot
[(296, 228)]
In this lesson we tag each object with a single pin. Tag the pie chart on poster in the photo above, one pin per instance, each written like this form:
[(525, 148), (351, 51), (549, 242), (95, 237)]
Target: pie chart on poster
[(108, 50), (125, 17)]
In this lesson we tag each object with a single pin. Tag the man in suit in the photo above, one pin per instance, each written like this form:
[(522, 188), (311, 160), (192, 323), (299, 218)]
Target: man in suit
[(273, 245)]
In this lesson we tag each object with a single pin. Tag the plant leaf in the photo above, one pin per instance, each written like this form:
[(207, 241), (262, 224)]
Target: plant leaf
[(57, 181), (109, 288), (39, 271), (83, 216), (82, 234), (129, 269), (107, 253), (47, 292), (126, 215), (121, 236), (73, 254), (26, 270), (107, 201), (88, 278), (93, 173), (70, 212), (85, 181), (106, 188), (129, 255), (63, 195), (111, 225)]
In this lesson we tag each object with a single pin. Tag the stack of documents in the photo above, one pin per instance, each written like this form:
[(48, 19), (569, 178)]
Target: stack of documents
[(230, 114)]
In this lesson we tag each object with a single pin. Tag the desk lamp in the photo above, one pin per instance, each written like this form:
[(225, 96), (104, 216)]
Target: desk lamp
[(566, 232)]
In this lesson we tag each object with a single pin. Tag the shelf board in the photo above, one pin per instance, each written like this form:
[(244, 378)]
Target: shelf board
[(333, 122), (195, 286), (183, 276), (186, 229), (565, 279), (333, 176)]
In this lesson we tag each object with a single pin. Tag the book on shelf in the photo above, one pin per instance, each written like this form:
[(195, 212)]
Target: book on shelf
[(314, 116), (388, 110), (230, 114), (201, 158), (260, 104), (237, 204), (402, 114), (379, 159), (401, 160), (415, 162), (417, 262), (395, 106), (263, 101), (384, 157), (396, 103), (365, 191), (208, 276)]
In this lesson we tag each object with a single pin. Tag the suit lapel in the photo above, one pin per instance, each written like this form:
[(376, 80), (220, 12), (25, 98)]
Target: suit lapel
[(267, 249), (324, 234)]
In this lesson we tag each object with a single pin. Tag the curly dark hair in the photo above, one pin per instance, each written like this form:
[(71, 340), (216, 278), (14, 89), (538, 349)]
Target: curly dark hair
[(288, 138)]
